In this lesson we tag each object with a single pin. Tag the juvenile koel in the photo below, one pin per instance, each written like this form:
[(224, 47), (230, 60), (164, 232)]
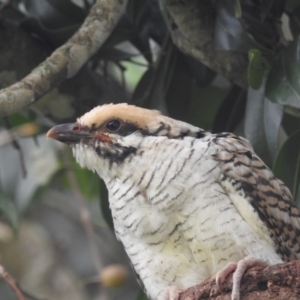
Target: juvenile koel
[(185, 202)]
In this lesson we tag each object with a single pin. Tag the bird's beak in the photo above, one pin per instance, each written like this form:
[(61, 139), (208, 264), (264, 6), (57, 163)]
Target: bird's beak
[(71, 133)]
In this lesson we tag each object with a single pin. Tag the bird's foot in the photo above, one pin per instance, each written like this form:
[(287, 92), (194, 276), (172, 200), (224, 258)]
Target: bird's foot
[(170, 293), (239, 269)]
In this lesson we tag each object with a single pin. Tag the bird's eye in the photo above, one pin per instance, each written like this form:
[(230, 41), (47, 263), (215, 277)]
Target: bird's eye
[(113, 125)]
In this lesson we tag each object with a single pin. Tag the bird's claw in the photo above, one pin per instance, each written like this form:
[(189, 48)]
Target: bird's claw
[(223, 273), (239, 269)]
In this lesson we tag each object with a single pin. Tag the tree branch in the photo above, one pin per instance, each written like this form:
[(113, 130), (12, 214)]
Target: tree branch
[(11, 282), (277, 282), (193, 33), (67, 59)]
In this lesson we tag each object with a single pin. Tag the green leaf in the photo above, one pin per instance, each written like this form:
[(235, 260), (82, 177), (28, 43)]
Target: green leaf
[(283, 84), (55, 14), (70, 10), (136, 10), (53, 20), (164, 12), (163, 73), (135, 26), (142, 43), (262, 122), (205, 105), (179, 89), (232, 110), (143, 87), (229, 32), (88, 182), (257, 69), (200, 73), (55, 37), (115, 54), (237, 8), (294, 22), (123, 32), (151, 90), (140, 16), (267, 5), (290, 123), (18, 119), (287, 163), (291, 5)]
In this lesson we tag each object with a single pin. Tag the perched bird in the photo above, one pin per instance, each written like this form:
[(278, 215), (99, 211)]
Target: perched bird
[(186, 204)]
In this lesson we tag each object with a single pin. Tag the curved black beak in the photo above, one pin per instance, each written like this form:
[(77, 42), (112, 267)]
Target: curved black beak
[(71, 133)]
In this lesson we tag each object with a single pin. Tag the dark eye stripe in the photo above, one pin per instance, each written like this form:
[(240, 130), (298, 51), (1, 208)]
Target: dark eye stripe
[(128, 128)]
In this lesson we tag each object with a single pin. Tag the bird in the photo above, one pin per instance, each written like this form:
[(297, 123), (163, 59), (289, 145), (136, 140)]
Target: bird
[(187, 204)]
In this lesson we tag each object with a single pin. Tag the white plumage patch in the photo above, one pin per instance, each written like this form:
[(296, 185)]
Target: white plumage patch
[(87, 157)]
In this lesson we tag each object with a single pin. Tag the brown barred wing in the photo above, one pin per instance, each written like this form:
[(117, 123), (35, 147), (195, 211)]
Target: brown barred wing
[(250, 178)]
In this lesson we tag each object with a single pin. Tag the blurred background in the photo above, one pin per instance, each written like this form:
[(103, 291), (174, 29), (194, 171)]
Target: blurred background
[(221, 65)]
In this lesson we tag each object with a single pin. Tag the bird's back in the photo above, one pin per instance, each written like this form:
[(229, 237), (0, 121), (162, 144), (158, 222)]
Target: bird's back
[(243, 173)]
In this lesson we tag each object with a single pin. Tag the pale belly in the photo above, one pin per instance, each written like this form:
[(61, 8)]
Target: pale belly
[(197, 243), (183, 263)]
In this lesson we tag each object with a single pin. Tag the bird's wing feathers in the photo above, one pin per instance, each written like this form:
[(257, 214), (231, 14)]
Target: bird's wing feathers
[(244, 174)]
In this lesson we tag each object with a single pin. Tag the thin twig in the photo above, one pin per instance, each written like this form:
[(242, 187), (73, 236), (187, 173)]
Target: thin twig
[(21, 294), (12, 283)]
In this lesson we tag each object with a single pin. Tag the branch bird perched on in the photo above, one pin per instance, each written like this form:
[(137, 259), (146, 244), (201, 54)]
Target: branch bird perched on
[(185, 202)]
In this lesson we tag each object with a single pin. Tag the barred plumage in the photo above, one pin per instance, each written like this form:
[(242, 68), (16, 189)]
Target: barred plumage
[(184, 202)]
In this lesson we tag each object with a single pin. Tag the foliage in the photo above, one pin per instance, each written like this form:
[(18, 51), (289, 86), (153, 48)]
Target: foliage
[(183, 87)]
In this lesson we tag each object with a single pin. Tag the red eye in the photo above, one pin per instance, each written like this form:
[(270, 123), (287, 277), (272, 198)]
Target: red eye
[(76, 128)]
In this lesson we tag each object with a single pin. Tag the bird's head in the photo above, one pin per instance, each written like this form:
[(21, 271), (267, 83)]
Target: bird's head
[(112, 133)]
